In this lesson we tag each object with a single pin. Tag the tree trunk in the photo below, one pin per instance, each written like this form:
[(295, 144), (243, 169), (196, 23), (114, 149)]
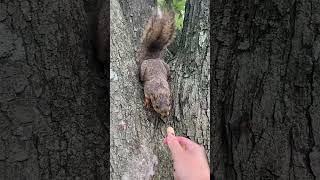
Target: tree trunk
[(191, 76), (266, 84), (137, 151), (51, 118)]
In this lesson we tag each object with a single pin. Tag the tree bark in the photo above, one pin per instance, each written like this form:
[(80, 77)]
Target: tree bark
[(137, 151), (51, 118), (191, 76), (133, 137), (266, 87), (53, 99)]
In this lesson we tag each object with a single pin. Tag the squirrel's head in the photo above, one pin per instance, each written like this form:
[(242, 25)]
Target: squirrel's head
[(162, 104)]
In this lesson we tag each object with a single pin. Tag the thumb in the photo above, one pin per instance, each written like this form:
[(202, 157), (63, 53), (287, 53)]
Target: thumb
[(174, 146)]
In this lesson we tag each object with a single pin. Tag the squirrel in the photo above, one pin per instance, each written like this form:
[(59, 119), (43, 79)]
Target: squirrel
[(154, 72)]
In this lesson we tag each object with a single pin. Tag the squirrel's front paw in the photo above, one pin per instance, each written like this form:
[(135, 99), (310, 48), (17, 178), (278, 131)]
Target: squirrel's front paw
[(147, 102)]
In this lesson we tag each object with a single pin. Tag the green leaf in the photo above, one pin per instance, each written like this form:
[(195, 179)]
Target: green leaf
[(161, 3), (178, 8), (179, 21), (180, 5)]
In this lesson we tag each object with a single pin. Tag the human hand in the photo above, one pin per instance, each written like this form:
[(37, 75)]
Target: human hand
[(189, 158)]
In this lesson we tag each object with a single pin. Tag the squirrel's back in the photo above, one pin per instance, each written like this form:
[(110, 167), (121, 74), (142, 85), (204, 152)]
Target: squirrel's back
[(158, 34)]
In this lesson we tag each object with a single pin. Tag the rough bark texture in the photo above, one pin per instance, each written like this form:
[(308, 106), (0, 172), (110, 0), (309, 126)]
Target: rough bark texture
[(51, 117), (132, 139), (190, 76), (137, 151), (266, 84)]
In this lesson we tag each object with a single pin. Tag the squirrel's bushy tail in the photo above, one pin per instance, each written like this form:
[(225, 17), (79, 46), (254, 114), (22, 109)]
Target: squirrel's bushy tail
[(158, 34)]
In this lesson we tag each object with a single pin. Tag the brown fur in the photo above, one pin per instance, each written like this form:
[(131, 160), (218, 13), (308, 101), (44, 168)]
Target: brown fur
[(154, 72), (158, 34)]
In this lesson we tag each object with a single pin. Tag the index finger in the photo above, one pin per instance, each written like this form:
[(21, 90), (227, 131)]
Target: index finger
[(186, 143), (174, 146)]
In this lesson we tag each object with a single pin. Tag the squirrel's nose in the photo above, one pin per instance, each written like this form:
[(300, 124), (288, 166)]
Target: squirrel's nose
[(168, 113)]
